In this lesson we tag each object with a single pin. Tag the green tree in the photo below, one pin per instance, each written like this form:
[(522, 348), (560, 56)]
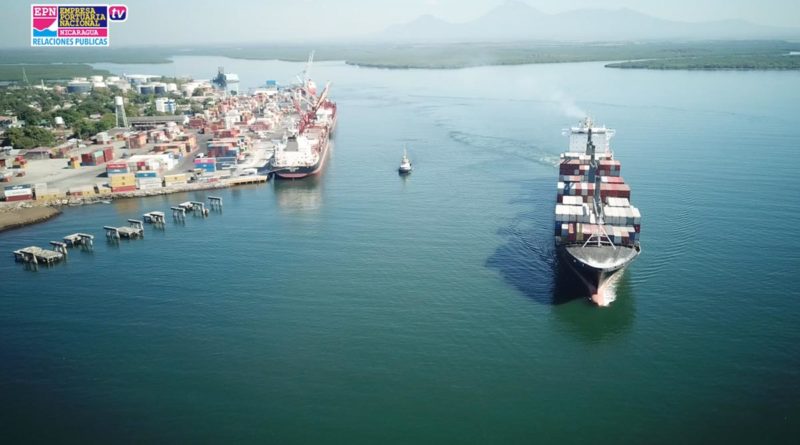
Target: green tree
[(108, 121), (29, 115), (84, 129), (29, 137)]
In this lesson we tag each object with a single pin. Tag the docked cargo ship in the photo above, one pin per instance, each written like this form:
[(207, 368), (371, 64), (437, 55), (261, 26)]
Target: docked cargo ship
[(304, 151), (596, 227)]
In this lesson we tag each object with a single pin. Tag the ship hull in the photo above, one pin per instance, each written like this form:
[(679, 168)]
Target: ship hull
[(300, 172), (595, 266)]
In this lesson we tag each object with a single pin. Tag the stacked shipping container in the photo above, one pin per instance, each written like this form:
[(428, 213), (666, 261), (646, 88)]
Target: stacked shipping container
[(575, 222), (97, 157), (206, 164), (18, 192), (122, 182)]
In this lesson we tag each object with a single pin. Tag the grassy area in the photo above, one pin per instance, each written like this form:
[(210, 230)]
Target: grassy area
[(36, 73), (37, 56), (750, 62), (757, 54)]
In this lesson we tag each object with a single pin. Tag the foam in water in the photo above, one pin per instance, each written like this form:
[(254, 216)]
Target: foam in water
[(607, 293)]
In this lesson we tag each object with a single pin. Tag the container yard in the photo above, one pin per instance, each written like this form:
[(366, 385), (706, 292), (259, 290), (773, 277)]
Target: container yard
[(231, 141)]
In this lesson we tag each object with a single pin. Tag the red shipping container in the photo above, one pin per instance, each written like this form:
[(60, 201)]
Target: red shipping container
[(108, 153), (19, 198), (125, 188)]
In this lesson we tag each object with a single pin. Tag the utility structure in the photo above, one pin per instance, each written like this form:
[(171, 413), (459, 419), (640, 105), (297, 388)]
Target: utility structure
[(119, 110)]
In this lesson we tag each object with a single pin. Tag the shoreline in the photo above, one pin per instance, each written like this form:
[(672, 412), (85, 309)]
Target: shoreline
[(16, 215), (15, 218)]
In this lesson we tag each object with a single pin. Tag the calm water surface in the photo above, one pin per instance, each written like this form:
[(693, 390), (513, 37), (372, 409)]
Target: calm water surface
[(362, 307)]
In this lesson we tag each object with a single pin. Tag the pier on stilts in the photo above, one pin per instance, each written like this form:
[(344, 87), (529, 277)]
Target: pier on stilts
[(134, 229), (154, 218), (215, 202), (37, 255), (79, 239), (178, 212), (199, 207)]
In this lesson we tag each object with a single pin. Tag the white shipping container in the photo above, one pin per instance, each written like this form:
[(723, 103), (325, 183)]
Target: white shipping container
[(148, 180), (637, 216), (23, 191), (148, 186)]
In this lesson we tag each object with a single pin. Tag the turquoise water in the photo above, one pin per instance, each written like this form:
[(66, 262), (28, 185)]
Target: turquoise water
[(363, 307)]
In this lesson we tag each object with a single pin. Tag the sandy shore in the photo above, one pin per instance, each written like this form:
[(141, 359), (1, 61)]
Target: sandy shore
[(14, 215), (18, 217)]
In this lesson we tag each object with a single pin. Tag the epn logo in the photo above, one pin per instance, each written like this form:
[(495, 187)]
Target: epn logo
[(118, 13)]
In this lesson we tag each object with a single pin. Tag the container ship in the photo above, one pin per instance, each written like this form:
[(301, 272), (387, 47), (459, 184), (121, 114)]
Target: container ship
[(305, 148), (596, 227)]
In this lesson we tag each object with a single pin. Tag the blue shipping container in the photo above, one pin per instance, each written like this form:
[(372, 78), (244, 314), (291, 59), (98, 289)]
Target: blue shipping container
[(146, 174)]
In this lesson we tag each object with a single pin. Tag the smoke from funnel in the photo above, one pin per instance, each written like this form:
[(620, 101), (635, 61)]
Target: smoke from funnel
[(567, 105)]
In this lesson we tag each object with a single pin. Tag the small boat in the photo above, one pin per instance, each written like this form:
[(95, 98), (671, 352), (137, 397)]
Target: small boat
[(405, 164)]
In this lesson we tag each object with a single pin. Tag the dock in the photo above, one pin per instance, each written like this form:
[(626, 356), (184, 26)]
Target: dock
[(79, 239), (134, 230), (215, 202), (154, 217), (241, 180), (198, 206), (178, 212), (37, 255)]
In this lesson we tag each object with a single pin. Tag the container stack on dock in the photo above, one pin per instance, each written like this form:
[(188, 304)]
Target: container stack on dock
[(122, 182), (147, 180), (177, 179), (224, 148), (20, 192), (208, 165), (120, 178), (97, 157)]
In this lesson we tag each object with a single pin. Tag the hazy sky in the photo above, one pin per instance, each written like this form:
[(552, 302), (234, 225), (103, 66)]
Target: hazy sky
[(258, 21)]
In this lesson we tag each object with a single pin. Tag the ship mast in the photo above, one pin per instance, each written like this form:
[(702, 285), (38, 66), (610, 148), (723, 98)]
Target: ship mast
[(595, 178)]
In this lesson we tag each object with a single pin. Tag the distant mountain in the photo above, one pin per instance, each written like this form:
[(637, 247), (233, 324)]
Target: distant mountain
[(515, 20)]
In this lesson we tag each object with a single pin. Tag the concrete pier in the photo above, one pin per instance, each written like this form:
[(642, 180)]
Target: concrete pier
[(200, 207), (154, 217), (58, 246), (134, 230), (215, 202), (37, 255), (178, 212), (79, 239)]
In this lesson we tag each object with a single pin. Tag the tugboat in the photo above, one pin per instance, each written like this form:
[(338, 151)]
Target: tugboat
[(405, 164)]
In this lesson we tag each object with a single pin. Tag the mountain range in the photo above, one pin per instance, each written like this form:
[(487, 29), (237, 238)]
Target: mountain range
[(515, 20)]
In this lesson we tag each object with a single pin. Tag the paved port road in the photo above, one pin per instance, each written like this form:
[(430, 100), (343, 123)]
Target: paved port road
[(187, 163), (56, 174)]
